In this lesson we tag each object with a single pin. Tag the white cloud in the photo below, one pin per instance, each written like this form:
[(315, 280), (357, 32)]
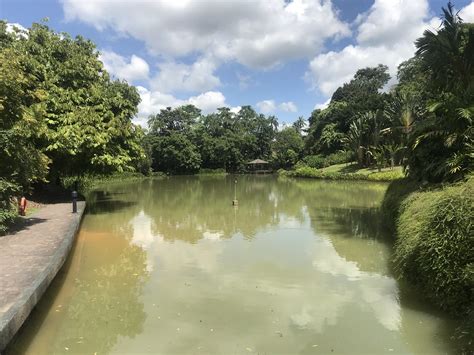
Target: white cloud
[(288, 106), (13, 27), (197, 77), (323, 105), (385, 35), (134, 69), (153, 101), (467, 13), (270, 106), (389, 22), (209, 101), (235, 109), (259, 33), (266, 106)]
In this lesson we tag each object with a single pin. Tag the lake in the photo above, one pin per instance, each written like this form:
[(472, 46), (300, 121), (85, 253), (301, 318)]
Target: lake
[(171, 267)]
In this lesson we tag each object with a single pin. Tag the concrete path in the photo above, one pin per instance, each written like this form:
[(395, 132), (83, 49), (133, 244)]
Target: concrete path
[(30, 259)]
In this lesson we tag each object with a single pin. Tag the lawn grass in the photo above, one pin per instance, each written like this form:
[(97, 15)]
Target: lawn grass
[(349, 171)]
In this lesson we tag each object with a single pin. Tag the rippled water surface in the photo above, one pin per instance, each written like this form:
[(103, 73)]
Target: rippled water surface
[(170, 266)]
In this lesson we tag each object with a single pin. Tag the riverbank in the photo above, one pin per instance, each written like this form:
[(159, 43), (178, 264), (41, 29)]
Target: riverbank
[(345, 172), (434, 237), (434, 247), (30, 257)]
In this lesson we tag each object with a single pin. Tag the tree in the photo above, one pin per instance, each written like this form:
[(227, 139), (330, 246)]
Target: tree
[(362, 94), (83, 119), (170, 139), (442, 144), (287, 147)]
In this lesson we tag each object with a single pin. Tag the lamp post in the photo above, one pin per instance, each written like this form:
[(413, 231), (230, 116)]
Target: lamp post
[(74, 201), (234, 201)]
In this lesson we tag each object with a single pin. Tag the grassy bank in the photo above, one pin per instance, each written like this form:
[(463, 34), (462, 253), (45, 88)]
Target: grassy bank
[(85, 183), (345, 172), (434, 248)]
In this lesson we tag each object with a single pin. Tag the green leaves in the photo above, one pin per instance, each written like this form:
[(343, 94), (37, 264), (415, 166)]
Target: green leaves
[(60, 113), (435, 247)]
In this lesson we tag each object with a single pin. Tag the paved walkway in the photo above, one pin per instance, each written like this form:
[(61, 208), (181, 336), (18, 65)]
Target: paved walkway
[(29, 260)]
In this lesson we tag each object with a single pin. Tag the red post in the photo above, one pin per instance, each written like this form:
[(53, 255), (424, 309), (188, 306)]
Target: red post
[(23, 203)]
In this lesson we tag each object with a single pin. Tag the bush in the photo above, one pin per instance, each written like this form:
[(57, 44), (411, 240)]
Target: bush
[(339, 158), (314, 161), (396, 193), (308, 172), (320, 161), (88, 181), (435, 245), (389, 175), (8, 210)]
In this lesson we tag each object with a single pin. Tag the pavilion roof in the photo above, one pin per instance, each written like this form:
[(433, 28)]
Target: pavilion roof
[(258, 161)]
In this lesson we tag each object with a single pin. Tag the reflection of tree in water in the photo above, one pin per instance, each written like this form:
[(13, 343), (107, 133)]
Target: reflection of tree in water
[(348, 213), (357, 222), (342, 194), (106, 304), (186, 208)]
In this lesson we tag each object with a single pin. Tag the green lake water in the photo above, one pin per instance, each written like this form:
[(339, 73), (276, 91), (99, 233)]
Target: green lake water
[(171, 267)]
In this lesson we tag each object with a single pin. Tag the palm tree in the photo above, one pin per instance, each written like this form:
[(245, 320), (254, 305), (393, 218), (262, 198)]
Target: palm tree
[(299, 124), (449, 53), (443, 144), (402, 111), (354, 138)]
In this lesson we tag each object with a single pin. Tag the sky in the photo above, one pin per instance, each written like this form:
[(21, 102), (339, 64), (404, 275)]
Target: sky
[(283, 57)]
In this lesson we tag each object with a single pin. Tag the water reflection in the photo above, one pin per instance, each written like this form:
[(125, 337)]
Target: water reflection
[(172, 267)]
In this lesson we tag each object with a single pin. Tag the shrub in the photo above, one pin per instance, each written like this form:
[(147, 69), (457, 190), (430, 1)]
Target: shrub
[(339, 158), (8, 210), (319, 161), (396, 193), (314, 161), (435, 245), (89, 181), (389, 175)]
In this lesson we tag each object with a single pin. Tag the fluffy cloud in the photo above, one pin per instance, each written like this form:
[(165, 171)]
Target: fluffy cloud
[(208, 101), (323, 105), (385, 34), (12, 26), (270, 106), (288, 106), (389, 22), (134, 69), (196, 77), (153, 101), (467, 13), (259, 33), (266, 106)]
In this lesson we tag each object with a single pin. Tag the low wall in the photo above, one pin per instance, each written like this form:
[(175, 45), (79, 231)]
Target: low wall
[(29, 261)]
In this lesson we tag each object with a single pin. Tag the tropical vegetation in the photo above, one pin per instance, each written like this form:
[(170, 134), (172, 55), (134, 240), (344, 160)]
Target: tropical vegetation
[(63, 118)]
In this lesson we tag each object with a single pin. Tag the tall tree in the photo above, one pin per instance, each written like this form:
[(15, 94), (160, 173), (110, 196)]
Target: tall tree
[(442, 145)]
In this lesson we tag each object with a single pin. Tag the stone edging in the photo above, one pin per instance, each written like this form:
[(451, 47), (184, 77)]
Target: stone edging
[(11, 321)]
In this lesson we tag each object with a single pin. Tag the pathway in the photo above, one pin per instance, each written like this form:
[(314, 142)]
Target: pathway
[(30, 259)]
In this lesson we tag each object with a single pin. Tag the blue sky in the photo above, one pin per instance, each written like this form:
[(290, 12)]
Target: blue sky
[(282, 57)]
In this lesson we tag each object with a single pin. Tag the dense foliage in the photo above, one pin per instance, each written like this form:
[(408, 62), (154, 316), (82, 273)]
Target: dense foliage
[(60, 113), (182, 140), (435, 246), (425, 121)]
